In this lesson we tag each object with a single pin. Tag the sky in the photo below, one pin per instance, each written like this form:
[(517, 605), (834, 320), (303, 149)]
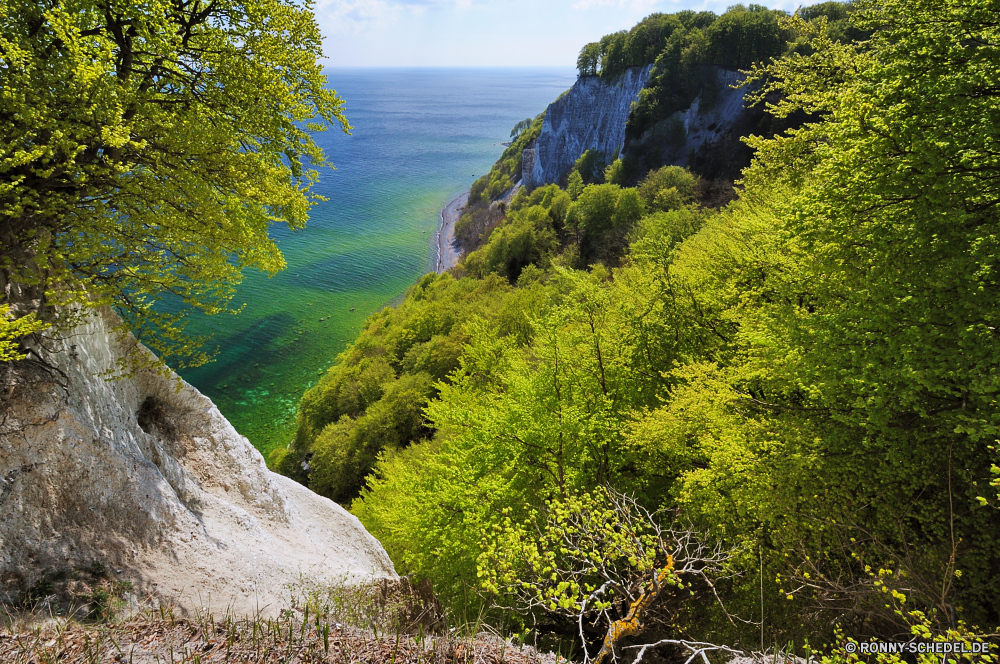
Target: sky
[(483, 33)]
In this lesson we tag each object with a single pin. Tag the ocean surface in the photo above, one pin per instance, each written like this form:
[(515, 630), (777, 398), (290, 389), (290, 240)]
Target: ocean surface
[(420, 138)]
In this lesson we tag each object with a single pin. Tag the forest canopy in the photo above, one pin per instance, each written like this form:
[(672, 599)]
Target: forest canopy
[(806, 377), (740, 37), (147, 148)]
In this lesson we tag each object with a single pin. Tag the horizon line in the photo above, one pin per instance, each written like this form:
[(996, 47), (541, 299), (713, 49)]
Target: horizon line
[(449, 66)]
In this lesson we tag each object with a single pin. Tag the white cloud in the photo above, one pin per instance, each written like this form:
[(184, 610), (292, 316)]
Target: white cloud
[(358, 16), (632, 5), (354, 16)]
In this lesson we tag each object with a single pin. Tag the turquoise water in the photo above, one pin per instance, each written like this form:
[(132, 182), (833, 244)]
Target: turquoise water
[(420, 137)]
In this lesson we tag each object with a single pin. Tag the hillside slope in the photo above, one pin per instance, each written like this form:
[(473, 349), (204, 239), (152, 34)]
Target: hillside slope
[(144, 478)]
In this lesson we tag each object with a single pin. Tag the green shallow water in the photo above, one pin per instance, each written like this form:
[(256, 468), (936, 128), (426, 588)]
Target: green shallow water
[(420, 138)]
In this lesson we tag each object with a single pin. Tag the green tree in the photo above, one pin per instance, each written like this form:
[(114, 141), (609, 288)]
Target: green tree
[(520, 127), (527, 238), (668, 188), (575, 185), (873, 336), (909, 234), (613, 54), (146, 149), (372, 399), (594, 210), (345, 451), (603, 215), (621, 171), (745, 35), (521, 420), (589, 60), (550, 197), (590, 165)]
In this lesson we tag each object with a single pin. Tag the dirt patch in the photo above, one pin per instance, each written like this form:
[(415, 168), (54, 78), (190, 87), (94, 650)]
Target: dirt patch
[(294, 637)]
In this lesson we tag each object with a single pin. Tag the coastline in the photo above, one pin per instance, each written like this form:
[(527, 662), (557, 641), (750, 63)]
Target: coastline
[(447, 252)]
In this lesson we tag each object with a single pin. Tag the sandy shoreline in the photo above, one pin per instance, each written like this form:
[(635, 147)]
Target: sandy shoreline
[(447, 251)]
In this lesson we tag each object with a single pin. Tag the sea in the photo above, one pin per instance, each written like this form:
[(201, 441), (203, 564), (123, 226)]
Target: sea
[(419, 138)]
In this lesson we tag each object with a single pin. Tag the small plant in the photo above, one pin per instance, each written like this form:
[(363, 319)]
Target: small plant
[(599, 561), (99, 603), (106, 600), (384, 606)]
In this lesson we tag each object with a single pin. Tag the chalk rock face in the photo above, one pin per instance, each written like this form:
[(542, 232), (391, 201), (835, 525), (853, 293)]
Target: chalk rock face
[(144, 475), (702, 128), (704, 123), (591, 115)]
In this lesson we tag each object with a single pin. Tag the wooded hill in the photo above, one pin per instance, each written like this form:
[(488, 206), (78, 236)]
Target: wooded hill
[(805, 379)]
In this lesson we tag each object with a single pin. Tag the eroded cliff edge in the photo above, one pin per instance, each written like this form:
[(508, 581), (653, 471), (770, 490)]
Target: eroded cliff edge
[(591, 115), (144, 476), (705, 135)]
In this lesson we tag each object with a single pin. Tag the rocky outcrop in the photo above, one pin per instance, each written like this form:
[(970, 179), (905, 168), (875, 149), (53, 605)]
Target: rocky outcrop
[(528, 156), (591, 115), (707, 135), (701, 123), (143, 476)]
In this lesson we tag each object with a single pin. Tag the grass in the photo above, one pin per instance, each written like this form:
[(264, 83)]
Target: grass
[(308, 632)]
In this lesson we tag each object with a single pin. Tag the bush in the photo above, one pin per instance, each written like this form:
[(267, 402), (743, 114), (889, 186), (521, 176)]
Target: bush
[(371, 400), (669, 188), (621, 171), (590, 165), (527, 238)]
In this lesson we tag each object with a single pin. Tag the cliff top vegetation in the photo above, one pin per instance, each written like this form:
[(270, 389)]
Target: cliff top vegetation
[(738, 38)]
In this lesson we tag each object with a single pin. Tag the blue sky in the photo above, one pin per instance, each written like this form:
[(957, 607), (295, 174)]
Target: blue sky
[(482, 33)]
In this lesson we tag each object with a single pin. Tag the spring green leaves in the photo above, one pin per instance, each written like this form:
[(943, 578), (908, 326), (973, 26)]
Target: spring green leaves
[(585, 552), (147, 149), (12, 329), (809, 374)]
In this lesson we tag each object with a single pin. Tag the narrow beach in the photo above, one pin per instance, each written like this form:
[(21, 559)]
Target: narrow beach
[(447, 252)]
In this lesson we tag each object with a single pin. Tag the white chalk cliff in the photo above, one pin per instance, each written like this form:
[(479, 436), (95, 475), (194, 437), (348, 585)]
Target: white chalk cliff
[(701, 126), (591, 115), (144, 475)]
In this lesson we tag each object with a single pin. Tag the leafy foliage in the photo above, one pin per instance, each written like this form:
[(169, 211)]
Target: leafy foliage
[(738, 38), (372, 399), (550, 225), (520, 127), (668, 188), (524, 419), (695, 43), (809, 374), (14, 329), (527, 238), (146, 149), (602, 217), (621, 171), (590, 165)]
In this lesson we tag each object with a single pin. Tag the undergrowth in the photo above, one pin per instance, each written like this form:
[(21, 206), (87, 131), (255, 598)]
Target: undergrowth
[(159, 636), (382, 622)]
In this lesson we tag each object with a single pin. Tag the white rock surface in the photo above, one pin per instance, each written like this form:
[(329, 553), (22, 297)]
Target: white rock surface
[(591, 115), (185, 509), (704, 124)]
